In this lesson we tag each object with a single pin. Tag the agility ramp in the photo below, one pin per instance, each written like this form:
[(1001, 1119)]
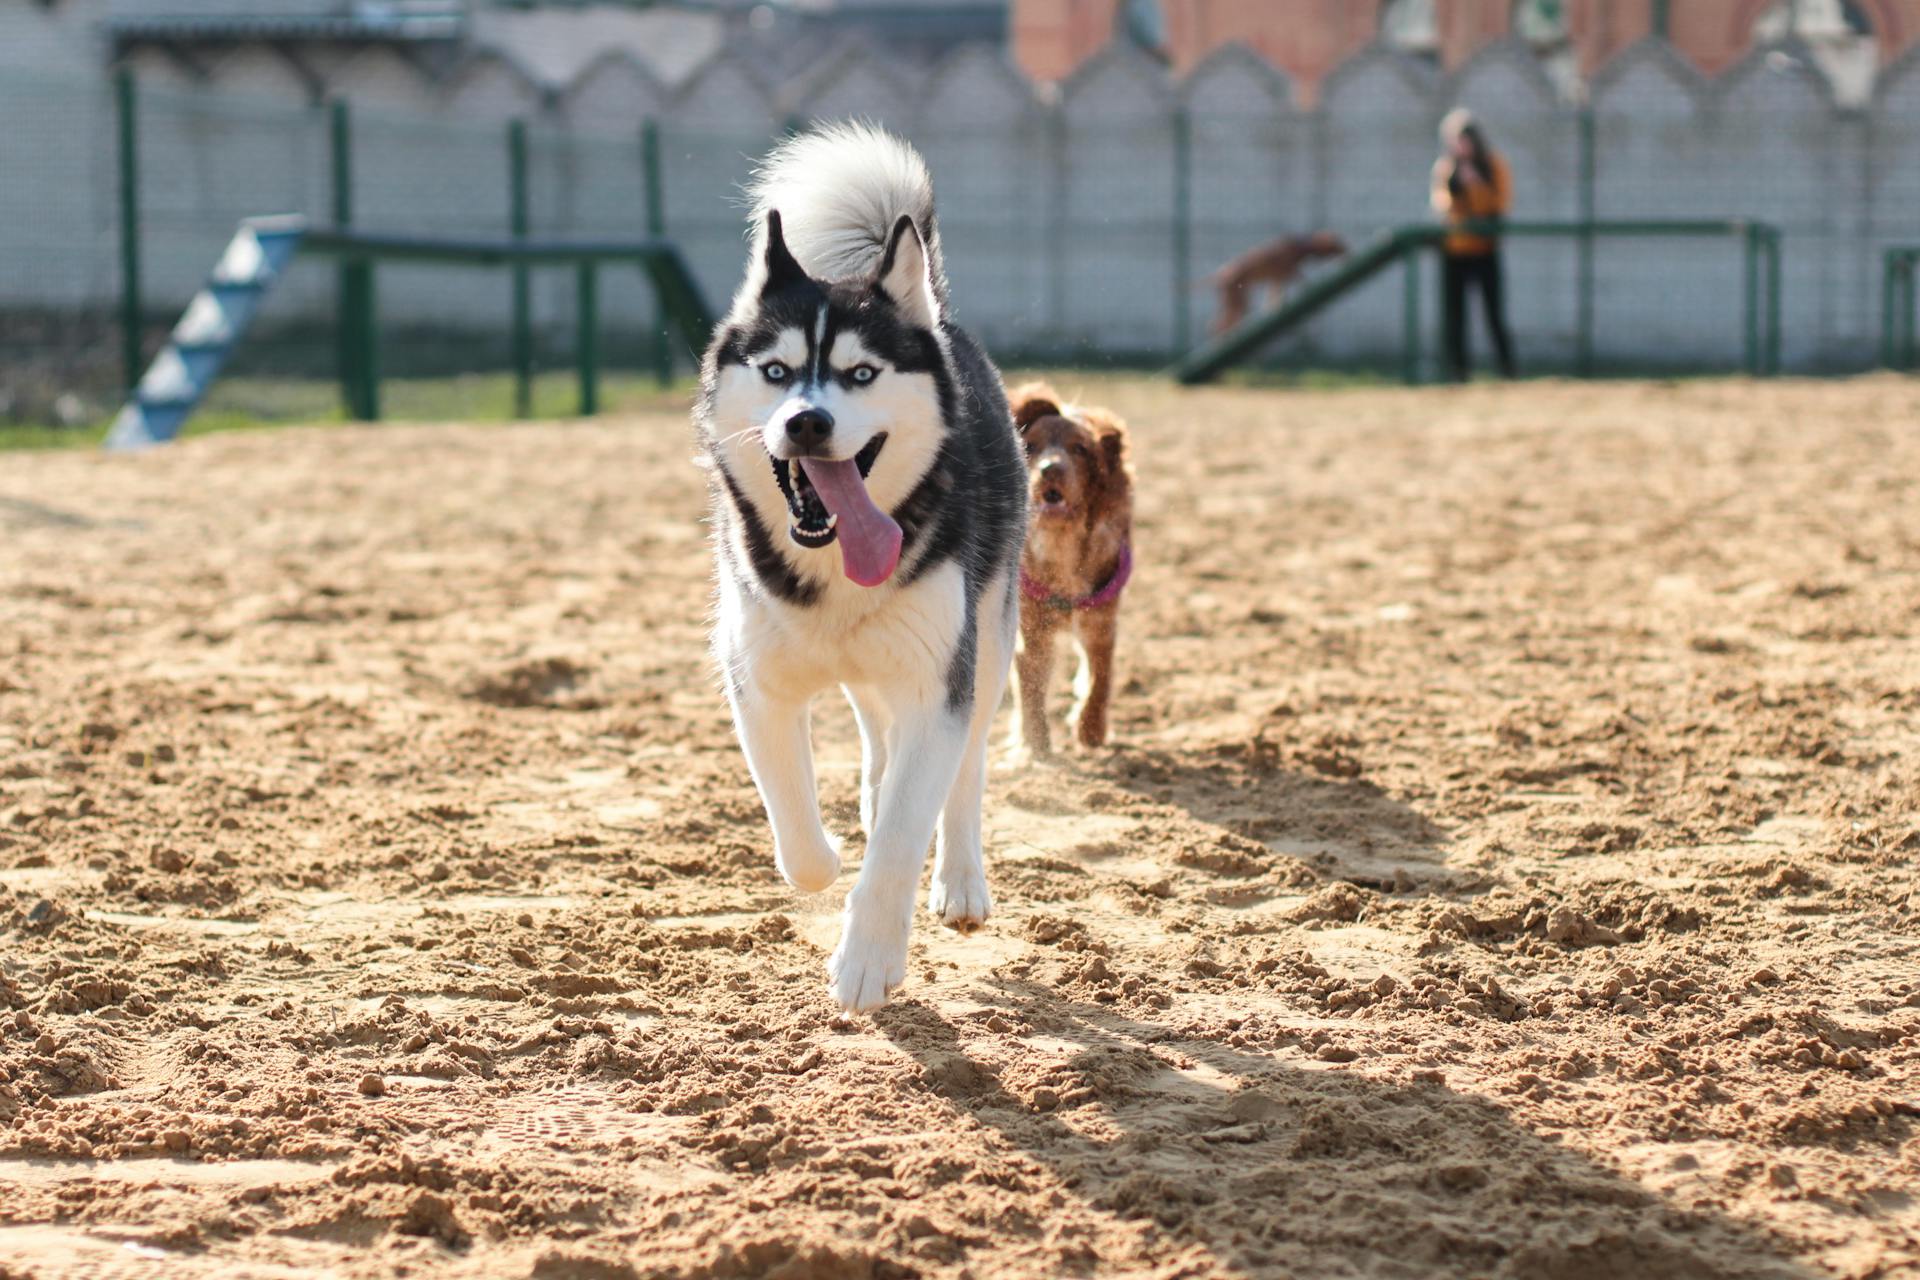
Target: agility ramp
[(1244, 340), (263, 249), (212, 326), (1759, 282)]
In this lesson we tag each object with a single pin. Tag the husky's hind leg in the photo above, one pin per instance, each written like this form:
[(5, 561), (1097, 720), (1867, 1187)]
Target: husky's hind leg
[(959, 895), (870, 713)]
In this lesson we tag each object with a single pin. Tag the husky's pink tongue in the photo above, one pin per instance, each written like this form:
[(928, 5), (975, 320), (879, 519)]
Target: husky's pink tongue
[(869, 539)]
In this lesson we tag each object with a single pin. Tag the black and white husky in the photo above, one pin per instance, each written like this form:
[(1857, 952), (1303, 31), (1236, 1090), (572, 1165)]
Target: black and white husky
[(869, 504)]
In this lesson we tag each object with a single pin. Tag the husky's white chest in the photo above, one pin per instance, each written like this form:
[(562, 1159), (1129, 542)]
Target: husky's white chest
[(904, 641)]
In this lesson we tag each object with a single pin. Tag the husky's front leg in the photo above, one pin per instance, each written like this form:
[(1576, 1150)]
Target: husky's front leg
[(872, 956), (773, 733)]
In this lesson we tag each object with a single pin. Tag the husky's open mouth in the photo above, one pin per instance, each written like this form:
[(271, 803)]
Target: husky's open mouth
[(813, 525)]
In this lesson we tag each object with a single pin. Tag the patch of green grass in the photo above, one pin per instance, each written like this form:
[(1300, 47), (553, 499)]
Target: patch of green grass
[(252, 403), (32, 436), (245, 402), (89, 435), (489, 397)]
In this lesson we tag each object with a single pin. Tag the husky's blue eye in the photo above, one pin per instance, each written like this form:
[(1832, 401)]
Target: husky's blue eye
[(862, 374), (774, 371)]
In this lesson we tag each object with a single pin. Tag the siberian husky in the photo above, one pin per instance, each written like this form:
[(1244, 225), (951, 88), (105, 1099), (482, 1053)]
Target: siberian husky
[(869, 505)]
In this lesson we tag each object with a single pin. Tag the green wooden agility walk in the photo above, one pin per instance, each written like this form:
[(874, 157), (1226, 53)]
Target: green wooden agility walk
[(1405, 245), (262, 251), (681, 303), (160, 402)]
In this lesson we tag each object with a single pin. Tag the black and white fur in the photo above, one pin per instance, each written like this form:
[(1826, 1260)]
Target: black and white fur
[(845, 291)]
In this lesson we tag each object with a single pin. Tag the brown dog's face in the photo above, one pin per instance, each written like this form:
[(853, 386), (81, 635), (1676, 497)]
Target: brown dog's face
[(1074, 464), (1064, 467)]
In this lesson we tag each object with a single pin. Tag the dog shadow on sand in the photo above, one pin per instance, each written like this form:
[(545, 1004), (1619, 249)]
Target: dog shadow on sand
[(1310, 805), (1252, 1166)]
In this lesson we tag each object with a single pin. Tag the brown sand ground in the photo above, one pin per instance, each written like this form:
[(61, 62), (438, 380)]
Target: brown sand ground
[(1506, 867)]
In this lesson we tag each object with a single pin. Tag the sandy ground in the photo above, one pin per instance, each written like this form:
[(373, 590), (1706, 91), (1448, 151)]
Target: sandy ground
[(1506, 867)]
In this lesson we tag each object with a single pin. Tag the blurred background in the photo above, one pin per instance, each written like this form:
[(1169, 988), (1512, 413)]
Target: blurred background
[(1095, 160)]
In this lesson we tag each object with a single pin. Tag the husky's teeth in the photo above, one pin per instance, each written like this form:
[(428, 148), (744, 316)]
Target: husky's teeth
[(833, 518)]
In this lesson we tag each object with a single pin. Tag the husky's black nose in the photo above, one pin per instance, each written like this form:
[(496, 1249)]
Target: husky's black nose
[(810, 429)]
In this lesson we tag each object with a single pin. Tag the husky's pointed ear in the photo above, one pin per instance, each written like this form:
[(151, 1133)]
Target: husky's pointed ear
[(782, 268), (906, 277)]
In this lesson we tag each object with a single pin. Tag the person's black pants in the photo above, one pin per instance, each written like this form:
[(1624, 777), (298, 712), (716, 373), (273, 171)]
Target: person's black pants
[(1460, 272)]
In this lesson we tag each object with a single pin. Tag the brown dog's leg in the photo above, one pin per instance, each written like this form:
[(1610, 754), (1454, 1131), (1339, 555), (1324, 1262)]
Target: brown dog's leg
[(1096, 630), (1033, 666), (1233, 303)]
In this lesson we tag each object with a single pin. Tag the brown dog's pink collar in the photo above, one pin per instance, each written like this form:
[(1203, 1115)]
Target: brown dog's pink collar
[(1040, 593)]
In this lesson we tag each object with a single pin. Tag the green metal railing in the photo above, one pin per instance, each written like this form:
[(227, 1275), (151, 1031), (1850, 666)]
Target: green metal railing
[(1406, 245), (673, 284), (1897, 307), (683, 310)]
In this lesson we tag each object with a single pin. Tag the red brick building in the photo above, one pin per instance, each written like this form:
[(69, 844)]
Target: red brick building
[(1308, 38)]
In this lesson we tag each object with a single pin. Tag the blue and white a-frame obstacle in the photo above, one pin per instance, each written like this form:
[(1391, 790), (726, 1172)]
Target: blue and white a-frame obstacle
[(200, 343)]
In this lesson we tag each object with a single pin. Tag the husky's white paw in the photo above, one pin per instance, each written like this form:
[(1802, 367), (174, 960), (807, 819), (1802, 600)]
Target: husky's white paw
[(807, 867), (960, 898), (867, 965)]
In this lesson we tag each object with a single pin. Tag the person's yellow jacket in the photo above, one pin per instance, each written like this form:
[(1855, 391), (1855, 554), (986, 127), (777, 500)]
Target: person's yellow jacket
[(1489, 199)]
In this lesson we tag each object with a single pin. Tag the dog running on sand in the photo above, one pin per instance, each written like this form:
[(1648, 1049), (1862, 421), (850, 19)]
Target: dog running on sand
[(1078, 558), (869, 505)]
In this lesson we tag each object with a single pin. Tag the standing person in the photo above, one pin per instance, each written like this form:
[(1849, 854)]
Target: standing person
[(1471, 183)]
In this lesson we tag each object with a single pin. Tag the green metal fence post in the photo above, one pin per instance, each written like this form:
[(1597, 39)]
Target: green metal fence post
[(350, 277), (1583, 331), (1899, 309), (1410, 320), (125, 104), (587, 343), (1903, 353), (1886, 310), (1898, 338), (1450, 336), (656, 229), (1751, 244), (1182, 230), (366, 327), (1891, 338), (341, 137), (522, 295), (1773, 301), (1907, 311)]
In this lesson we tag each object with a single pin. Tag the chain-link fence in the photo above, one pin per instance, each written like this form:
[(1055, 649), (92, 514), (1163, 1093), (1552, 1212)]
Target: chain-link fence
[(1080, 225)]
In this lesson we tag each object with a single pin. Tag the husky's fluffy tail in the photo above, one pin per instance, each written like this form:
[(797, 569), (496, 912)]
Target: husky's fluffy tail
[(840, 190)]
